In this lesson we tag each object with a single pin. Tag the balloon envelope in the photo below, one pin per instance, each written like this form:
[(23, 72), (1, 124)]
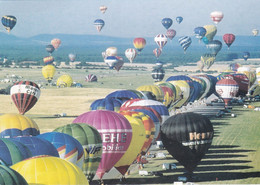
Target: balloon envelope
[(56, 43), (130, 54), (160, 40), (185, 42), (229, 38), (99, 24), (64, 81), (170, 33), (10, 176), (216, 16), (48, 72), (179, 19), (139, 43), (9, 21), (167, 22)]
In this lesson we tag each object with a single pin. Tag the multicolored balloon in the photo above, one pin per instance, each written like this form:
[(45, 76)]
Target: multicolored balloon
[(160, 40), (91, 78), (9, 21), (56, 43), (170, 33), (25, 94), (200, 32), (216, 16), (157, 52), (139, 43), (208, 59), (99, 24), (130, 54), (48, 60), (211, 31), (229, 38)]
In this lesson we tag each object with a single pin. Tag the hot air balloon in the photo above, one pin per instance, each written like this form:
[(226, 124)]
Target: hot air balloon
[(156, 90), (234, 66), (14, 125), (10, 176), (214, 46), (157, 52), (187, 137), (91, 141), (48, 60), (229, 38), (251, 75), (116, 133), (64, 81), (160, 40), (216, 16), (167, 22), (119, 64), (24, 95), (211, 31), (49, 48), (130, 54), (185, 42), (99, 24), (91, 78), (48, 72), (111, 51), (208, 59), (50, 170), (124, 95), (111, 61), (108, 103), (242, 81), (200, 32), (170, 33), (227, 89), (12, 152), (246, 55), (158, 74), (103, 9), (137, 142), (9, 22), (72, 57), (158, 64), (179, 19), (255, 32), (37, 146), (56, 43), (67, 146), (139, 43)]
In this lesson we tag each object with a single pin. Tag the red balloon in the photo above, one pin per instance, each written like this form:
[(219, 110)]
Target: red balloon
[(229, 38)]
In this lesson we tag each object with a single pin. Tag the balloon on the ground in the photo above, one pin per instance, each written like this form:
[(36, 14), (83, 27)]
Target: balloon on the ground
[(229, 38), (185, 42), (48, 72), (179, 19), (139, 43), (25, 94), (107, 103), (99, 24), (234, 66), (9, 21), (160, 40), (187, 137), (216, 16), (14, 125), (156, 90), (158, 74), (91, 142), (56, 43), (167, 22), (170, 33), (124, 95), (91, 78), (64, 81), (50, 170), (130, 54), (116, 133), (10, 176)]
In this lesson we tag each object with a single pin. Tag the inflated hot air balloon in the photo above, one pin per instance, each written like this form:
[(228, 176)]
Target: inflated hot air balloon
[(111, 61), (139, 43), (48, 72), (64, 81), (160, 40), (48, 60), (10, 176), (99, 24), (157, 52), (158, 74), (251, 75), (50, 170), (49, 48), (170, 33), (227, 89), (179, 19), (242, 81), (25, 94), (234, 66), (211, 31), (111, 51), (185, 42), (124, 95), (91, 141), (229, 38), (116, 133), (167, 22), (67, 146), (91, 78), (103, 9), (119, 64), (246, 55), (208, 59), (187, 137), (200, 32), (56, 43), (158, 64), (12, 152), (156, 90), (216, 16), (137, 142), (130, 54), (14, 125), (255, 32), (72, 57), (37, 146), (214, 46), (9, 22), (107, 103)]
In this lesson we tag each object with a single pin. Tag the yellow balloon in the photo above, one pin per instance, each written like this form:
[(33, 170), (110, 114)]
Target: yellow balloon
[(138, 139), (156, 90), (258, 77), (46, 170), (48, 72), (211, 31), (184, 92), (64, 81)]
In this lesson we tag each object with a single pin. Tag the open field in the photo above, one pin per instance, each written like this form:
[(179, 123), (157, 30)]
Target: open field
[(234, 157)]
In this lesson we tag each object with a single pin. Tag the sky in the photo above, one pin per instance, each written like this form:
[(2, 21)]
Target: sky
[(128, 18)]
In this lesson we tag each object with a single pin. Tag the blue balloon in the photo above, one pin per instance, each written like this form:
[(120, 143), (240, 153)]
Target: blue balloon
[(246, 55), (200, 32), (167, 22), (179, 19), (108, 103), (205, 40), (185, 42), (214, 46)]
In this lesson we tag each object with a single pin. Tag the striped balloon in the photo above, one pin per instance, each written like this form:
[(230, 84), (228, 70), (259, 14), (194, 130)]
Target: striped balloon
[(185, 42), (9, 22), (48, 60), (91, 78), (25, 94), (160, 40)]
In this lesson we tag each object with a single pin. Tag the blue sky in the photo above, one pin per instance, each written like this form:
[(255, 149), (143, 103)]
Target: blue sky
[(128, 18)]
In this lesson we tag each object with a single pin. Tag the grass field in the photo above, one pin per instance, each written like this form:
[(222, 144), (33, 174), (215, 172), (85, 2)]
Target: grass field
[(234, 157)]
